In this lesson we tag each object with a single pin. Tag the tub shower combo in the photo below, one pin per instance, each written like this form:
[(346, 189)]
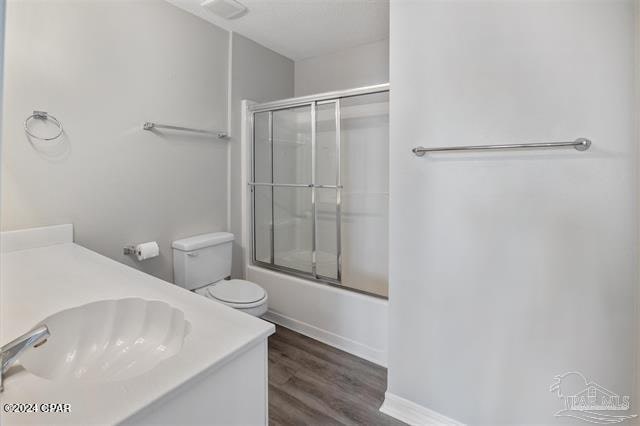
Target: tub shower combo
[(319, 187)]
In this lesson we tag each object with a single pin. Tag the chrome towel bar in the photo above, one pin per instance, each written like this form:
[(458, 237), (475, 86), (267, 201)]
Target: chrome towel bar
[(294, 185), (150, 126), (580, 144)]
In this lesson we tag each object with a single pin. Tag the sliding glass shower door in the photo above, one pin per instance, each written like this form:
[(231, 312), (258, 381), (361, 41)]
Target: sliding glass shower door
[(292, 155), (298, 195)]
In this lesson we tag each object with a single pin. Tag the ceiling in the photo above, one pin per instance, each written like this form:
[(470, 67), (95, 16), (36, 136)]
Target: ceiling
[(300, 29)]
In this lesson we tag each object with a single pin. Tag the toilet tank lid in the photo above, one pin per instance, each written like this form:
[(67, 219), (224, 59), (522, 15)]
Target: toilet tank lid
[(201, 241)]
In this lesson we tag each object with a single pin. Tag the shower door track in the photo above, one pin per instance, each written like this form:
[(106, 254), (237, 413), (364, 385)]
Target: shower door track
[(328, 96), (312, 102)]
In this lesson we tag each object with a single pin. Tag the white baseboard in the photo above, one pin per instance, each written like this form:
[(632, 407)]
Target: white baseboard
[(331, 339), (412, 413)]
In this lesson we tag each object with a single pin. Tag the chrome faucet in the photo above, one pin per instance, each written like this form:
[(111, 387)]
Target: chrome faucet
[(9, 353)]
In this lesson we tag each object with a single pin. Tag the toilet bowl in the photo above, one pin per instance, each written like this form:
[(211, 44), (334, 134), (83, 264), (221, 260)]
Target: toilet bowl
[(242, 295), (201, 264)]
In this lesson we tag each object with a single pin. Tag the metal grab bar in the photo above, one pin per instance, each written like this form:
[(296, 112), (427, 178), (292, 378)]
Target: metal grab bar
[(294, 185), (150, 126), (580, 144)]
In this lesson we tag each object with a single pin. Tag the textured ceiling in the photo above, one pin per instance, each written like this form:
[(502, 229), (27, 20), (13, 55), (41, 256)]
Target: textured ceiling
[(301, 29)]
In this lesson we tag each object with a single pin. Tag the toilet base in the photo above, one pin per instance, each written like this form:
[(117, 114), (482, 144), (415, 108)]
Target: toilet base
[(255, 310)]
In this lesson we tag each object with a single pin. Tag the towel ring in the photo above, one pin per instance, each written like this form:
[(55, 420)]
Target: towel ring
[(42, 115)]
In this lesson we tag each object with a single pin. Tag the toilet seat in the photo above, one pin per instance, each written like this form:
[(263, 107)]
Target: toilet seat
[(240, 294)]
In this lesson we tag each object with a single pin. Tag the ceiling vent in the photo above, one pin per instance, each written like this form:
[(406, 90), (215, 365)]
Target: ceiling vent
[(227, 9)]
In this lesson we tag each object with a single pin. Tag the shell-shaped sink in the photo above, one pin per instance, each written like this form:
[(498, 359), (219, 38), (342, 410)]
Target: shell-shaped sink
[(107, 340)]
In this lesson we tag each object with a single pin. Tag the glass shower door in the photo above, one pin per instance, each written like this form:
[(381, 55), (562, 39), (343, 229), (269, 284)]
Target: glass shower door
[(327, 180), (292, 174), (295, 170), (365, 197), (320, 190), (262, 194)]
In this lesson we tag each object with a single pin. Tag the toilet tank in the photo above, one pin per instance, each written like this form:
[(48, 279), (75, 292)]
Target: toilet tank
[(202, 259)]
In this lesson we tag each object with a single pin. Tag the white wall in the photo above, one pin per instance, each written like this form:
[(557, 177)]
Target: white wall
[(3, 5), (260, 75), (103, 68), (358, 66), (637, 117), (509, 268)]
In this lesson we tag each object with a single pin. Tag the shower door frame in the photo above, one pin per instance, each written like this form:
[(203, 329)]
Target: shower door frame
[(312, 101)]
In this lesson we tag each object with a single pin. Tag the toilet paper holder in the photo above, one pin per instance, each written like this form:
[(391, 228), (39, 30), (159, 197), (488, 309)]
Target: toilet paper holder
[(142, 252)]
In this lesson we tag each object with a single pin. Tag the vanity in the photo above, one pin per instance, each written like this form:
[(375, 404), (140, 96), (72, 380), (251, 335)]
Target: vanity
[(125, 347)]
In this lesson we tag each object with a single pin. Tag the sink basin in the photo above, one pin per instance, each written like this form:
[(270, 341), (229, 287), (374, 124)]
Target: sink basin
[(107, 340)]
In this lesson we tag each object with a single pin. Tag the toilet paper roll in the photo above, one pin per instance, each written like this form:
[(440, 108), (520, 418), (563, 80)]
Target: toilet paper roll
[(147, 250)]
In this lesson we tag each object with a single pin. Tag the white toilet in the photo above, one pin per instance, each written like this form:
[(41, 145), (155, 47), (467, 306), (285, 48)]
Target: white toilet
[(201, 263)]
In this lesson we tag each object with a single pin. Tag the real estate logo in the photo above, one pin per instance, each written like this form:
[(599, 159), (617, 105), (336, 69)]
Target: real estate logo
[(588, 401)]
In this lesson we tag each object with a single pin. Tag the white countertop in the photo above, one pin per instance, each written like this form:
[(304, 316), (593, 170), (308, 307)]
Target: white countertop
[(38, 282)]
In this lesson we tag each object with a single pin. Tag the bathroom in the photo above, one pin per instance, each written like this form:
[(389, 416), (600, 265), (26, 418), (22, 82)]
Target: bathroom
[(286, 212)]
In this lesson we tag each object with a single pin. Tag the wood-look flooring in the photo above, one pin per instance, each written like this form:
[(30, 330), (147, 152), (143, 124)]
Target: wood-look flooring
[(311, 383)]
